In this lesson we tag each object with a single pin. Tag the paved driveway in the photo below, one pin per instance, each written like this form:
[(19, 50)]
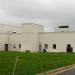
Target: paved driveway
[(68, 72)]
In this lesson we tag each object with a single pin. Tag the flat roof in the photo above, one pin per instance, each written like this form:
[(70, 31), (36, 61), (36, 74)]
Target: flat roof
[(31, 24), (56, 32)]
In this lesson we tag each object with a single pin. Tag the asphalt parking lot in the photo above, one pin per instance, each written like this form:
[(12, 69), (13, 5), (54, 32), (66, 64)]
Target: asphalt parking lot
[(68, 72)]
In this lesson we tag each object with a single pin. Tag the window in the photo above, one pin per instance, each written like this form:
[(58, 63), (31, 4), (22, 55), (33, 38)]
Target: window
[(14, 45), (46, 46), (63, 26), (54, 46), (19, 45), (40, 47), (69, 48), (14, 31)]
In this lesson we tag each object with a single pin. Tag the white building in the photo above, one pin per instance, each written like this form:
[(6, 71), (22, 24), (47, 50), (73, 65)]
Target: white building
[(30, 36)]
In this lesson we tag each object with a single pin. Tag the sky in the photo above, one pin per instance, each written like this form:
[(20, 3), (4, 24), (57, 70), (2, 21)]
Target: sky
[(50, 13)]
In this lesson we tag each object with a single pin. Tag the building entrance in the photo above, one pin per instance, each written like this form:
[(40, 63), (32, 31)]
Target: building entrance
[(69, 48), (6, 47)]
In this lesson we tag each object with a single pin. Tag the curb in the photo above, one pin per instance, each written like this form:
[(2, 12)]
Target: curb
[(57, 71)]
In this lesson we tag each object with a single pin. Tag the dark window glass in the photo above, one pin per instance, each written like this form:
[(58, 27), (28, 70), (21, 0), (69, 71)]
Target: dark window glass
[(40, 47), (19, 45), (54, 46), (68, 45), (46, 46), (14, 45), (63, 26), (14, 31)]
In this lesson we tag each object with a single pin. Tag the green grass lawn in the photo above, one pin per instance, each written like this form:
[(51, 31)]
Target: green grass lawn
[(33, 63)]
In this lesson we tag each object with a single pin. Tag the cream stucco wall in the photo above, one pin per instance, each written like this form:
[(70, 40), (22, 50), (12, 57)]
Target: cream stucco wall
[(8, 37), (31, 27), (61, 39), (30, 42), (26, 35), (11, 40), (30, 35)]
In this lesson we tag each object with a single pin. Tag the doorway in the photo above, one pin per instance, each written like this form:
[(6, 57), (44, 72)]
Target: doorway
[(6, 47), (69, 48), (40, 47)]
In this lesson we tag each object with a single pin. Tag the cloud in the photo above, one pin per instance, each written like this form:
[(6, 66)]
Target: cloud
[(51, 13)]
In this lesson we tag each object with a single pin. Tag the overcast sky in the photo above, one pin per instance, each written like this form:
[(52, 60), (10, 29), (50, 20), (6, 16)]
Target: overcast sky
[(49, 13)]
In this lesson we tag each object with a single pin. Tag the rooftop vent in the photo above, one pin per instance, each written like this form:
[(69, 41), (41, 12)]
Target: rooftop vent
[(63, 26), (14, 31)]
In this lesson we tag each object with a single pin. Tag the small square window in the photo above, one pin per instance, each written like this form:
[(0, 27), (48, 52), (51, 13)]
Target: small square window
[(14, 32), (54, 46)]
